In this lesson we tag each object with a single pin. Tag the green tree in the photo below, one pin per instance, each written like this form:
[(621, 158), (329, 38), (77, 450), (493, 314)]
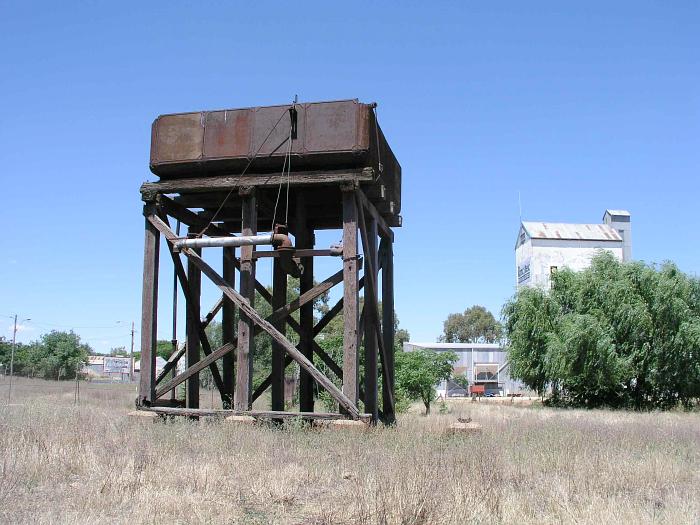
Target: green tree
[(417, 373), (475, 325), (616, 334), (58, 355)]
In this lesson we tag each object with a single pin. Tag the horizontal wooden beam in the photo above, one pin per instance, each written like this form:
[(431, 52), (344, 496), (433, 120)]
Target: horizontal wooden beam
[(259, 414), (229, 182)]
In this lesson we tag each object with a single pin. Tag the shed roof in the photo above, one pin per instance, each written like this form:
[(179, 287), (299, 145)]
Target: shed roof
[(580, 232)]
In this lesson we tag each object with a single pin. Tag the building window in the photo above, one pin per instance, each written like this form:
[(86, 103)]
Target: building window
[(552, 270)]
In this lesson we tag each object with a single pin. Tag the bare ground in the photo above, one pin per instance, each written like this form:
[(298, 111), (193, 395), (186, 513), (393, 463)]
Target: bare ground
[(90, 463)]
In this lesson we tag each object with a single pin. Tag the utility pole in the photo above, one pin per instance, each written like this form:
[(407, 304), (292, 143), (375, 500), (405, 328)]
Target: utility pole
[(12, 358), (131, 361)]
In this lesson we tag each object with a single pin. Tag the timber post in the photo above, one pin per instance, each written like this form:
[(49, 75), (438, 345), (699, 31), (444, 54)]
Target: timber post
[(351, 377), (228, 315), (243, 399), (194, 279), (149, 308)]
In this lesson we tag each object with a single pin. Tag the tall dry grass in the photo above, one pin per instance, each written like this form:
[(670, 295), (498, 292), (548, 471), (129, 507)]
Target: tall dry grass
[(90, 463)]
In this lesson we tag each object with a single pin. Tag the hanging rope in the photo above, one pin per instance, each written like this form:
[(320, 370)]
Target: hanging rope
[(235, 186)]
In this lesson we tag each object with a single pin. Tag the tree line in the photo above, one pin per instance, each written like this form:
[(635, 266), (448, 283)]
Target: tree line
[(55, 355)]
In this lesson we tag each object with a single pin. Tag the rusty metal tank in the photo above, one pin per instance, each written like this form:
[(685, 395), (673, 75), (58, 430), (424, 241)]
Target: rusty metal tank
[(328, 136)]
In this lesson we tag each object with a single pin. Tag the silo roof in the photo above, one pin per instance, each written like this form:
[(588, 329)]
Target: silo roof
[(566, 231)]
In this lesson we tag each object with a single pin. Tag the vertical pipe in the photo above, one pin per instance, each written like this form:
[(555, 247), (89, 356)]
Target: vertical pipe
[(149, 309), (246, 344), (350, 297), (279, 299)]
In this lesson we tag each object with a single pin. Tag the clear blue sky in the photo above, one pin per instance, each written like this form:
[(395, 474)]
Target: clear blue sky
[(579, 108)]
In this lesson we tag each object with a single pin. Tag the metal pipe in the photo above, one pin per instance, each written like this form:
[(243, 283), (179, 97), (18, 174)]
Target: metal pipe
[(241, 240)]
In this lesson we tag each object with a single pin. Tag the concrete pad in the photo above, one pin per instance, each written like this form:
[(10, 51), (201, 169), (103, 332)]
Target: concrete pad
[(240, 420), (464, 428), (350, 424), (142, 414)]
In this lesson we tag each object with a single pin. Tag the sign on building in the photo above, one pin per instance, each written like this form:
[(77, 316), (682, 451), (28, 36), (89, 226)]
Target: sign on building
[(115, 365)]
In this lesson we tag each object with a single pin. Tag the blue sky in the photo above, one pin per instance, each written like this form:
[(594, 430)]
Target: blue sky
[(577, 107)]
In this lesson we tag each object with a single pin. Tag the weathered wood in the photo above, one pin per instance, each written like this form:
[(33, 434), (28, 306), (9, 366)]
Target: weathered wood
[(350, 298), (246, 343), (228, 315), (305, 239), (369, 240), (248, 310), (171, 364), (279, 298), (308, 294), (371, 294), (194, 281), (261, 414), (190, 218), (388, 323), (194, 370), (230, 182), (190, 308), (212, 312), (376, 216), (149, 308)]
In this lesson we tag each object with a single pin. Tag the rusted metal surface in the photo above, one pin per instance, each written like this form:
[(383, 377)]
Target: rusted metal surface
[(329, 135)]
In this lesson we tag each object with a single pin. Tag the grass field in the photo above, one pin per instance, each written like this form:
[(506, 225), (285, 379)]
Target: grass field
[(90, 463)]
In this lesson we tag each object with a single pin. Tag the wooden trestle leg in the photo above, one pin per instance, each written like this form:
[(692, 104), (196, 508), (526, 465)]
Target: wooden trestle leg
[(228, 312), (194, 279), (246, 343), (149, 311), (350, 297)]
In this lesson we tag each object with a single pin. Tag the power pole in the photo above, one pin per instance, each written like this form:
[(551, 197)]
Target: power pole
[(12, 358), (131, 366)]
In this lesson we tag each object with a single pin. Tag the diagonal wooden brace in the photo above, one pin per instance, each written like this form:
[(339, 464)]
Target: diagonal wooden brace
[(197, 367), (172, 362), (248, 310)]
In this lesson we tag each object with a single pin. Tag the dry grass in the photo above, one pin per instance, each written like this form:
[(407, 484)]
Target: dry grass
[(92, 464)]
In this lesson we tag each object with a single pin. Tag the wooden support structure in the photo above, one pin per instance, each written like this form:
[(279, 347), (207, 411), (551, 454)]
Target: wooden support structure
[(243, 399), (305, 240), (232, 206), (228, 329)]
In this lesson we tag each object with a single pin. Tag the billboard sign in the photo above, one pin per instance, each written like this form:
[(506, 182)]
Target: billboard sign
[(115, 365)]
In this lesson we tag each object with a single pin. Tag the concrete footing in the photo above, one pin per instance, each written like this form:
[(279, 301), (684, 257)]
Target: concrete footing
[(464, 428), (351, 424), (240, 420), (143, 415)]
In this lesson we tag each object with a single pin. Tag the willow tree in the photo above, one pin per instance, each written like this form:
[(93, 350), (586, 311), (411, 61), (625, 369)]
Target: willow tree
[(616, 334)]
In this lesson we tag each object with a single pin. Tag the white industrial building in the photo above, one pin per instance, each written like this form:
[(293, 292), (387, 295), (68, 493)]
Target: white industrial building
[(543, 248), (483, 364)]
